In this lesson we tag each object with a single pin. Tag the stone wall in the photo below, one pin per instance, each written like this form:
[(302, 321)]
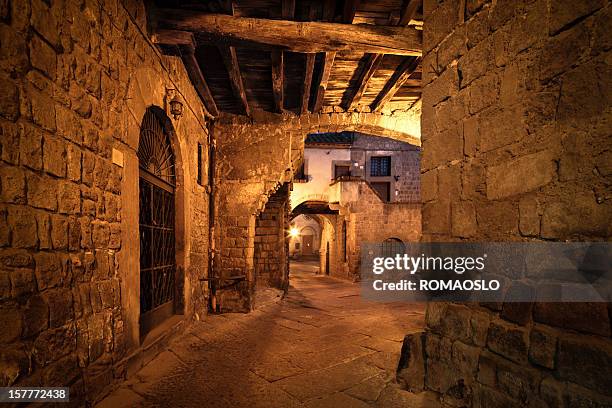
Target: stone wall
[(370, 220), (271, 242), (516, 139), (76, 78)]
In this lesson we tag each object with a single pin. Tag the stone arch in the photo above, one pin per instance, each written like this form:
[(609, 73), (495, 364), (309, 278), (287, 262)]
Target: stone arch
[(309, 197)]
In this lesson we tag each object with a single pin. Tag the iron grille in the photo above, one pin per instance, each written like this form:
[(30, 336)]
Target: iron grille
[(380, 166), (156, 217)]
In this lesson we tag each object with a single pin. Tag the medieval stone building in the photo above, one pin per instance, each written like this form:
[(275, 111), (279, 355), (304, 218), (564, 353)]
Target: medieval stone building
[(359, 189), (148, 149)]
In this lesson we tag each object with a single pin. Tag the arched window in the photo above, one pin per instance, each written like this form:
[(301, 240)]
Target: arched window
[(156, 221)]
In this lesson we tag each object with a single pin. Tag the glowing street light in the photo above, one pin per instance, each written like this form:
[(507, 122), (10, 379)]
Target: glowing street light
[(294, 232)]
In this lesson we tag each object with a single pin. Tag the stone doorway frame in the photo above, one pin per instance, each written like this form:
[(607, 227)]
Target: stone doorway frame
[(148, 88)]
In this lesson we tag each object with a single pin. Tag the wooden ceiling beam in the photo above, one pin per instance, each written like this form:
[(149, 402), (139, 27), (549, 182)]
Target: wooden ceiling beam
[(173, 37), (328, 62), (278, 79), (308, 71), (288, 9), (409, 9), (233, 69), (350, 8), (329, 9), (399, 77), (306, 37), (197, 78), (371, 65)]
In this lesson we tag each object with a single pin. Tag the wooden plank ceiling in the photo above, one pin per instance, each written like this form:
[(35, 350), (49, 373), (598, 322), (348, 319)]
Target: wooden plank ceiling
[(295, 55)]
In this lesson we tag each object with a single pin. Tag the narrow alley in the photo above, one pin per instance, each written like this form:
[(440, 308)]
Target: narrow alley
[(321, 346)]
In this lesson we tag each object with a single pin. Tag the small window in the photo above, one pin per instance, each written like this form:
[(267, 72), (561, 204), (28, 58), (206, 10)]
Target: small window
[(383, 190), (342, 171), (300, 174), (200, 172), (380, 166)]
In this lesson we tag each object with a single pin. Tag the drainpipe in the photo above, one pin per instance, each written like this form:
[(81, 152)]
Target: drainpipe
[(212, 283)]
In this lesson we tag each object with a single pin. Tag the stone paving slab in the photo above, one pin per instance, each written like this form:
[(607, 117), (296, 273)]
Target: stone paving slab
[(322, 346)]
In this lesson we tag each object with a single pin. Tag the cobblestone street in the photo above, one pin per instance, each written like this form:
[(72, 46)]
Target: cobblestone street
[(319, 347)]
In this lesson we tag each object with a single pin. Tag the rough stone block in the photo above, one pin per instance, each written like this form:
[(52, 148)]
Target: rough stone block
[(23, 227), (455, 324), (86, 231), (471, 136), (60, 306), (12, 185), (543, 347), (11, 321), (9, 100), (441, 21), (442, 88), (45, 21), (53, 344), (429, 185), (585, 317), (521, 175), (508, 340), (551, 392), (581, 214), (42, 192), (49, 272), (42, 110), (68, 125), (453, 47), (529, 216), (581, 360), (519, 382), (483, 93), (35, 316), (100, 234), (561, 51), (411, 366), (479, 323), (59, 232), (43, 57), (477, 27), (584, 94), (73, 154), (436, 217), (69, 198), (54, 157), (10, 134), (31, 148), (43, 222), (488, 397), (476, 63), (564, 12), (463, 215), (465, 359)]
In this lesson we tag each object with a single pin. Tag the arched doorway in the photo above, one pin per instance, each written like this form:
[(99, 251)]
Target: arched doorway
[(392, 247), (157, 220)]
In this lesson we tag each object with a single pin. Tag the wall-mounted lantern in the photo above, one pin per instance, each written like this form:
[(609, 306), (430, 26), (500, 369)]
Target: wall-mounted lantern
[(175, 103)]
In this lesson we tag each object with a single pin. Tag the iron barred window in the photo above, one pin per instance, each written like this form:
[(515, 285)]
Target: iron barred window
[(380, 166)]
